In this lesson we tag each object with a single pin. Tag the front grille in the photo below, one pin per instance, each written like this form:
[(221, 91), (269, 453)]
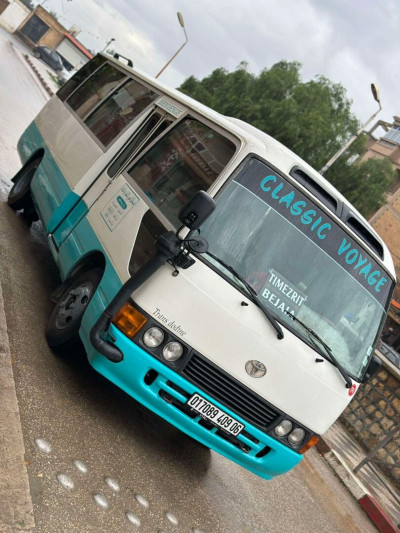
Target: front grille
[(230, 392)]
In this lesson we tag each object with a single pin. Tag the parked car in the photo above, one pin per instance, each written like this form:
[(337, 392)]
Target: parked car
[(51, 57), (390, 353), (64, 75)]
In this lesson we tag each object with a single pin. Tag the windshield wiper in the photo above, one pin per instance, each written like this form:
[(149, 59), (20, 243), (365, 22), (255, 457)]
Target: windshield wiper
[(252, 294), (328, 350)]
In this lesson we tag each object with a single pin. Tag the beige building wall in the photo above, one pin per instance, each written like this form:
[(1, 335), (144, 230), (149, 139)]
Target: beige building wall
[(53, 36), (12, 16), (386, 221)]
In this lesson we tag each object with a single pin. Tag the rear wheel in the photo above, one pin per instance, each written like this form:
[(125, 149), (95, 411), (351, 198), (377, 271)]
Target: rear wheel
[(65, 321), (19, 196)]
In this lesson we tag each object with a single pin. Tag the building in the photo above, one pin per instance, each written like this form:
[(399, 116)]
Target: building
[(386, 221), (41, 28), (12, 13)]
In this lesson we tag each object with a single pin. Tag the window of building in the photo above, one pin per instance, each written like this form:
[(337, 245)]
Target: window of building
[(393, 134), (118, 110), (35, 28), (189, 158)]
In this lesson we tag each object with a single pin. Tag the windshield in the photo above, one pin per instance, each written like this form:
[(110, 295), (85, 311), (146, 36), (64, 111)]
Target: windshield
[(299, 262)]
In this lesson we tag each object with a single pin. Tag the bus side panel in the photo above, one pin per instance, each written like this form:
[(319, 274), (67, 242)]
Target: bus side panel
[(50, 190), (68, 140)]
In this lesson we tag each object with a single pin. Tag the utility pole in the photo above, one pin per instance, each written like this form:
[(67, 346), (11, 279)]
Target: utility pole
[(375, 93)]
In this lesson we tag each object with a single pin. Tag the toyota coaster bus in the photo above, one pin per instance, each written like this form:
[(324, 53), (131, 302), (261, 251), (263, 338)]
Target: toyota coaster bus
[(210, 273)]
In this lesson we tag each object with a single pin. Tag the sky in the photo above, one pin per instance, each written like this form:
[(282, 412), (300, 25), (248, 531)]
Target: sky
[(348, 41)]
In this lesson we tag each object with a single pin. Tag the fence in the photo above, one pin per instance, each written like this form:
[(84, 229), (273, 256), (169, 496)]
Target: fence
[(373, 417)]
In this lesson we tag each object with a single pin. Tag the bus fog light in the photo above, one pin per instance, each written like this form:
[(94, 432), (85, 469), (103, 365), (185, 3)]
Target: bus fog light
[(297, 436), (153, 337), (172, 351), (283, 428)]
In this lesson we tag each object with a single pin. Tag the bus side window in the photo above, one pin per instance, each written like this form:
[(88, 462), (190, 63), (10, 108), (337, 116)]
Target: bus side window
[(95, 89), (189, 158), (148, 132), (118, 110), (87, 70)]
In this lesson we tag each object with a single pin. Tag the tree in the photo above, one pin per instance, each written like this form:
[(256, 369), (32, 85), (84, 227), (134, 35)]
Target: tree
[(28, 4), (313, 119)]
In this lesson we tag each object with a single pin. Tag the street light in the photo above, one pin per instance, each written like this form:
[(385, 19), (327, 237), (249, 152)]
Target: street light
[(180, 18), (108, 44), (375, 94)]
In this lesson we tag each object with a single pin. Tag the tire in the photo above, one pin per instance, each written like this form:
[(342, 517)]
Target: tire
[(19, 196), (36, 54), (65, 321)]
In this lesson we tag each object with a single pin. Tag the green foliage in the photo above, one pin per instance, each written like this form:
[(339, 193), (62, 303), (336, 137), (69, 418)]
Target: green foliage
[(54, 14), (313, 119), (29, 4)]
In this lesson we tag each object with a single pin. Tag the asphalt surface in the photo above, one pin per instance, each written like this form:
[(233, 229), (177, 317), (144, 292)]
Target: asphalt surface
[(138, 467)]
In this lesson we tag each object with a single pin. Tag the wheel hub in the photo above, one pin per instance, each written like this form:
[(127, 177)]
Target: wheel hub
[(73, 305)]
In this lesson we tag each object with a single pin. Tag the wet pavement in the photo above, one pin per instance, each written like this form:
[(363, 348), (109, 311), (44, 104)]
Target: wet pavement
[(99, 462)]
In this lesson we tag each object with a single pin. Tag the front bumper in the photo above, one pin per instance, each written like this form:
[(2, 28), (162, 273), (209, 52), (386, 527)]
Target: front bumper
[(166, 394)]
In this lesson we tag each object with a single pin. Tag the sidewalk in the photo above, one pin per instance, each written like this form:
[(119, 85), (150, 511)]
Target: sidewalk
[(42, 72), (375, 493), (16, 510)]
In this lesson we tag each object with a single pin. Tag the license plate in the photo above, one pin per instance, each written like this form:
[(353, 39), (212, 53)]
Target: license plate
[(215, 415)]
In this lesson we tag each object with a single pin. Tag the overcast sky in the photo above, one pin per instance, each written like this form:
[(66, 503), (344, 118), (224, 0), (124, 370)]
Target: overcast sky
[(349, 41)]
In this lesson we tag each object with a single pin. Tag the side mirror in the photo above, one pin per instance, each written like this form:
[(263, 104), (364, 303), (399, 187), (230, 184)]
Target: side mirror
[(373, 368), (197, 210)]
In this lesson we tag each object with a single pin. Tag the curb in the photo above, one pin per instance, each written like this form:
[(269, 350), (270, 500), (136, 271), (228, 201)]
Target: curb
[(41, 79), (371, 507), (33, 75), (16, 509)]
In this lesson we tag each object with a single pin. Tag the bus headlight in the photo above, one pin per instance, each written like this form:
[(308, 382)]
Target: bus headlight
[(172, 351), (153, 337), (296, 436), (283, 428)]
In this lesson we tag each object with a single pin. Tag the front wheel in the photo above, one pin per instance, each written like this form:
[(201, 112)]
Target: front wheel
[(65, 321), (19, 196)]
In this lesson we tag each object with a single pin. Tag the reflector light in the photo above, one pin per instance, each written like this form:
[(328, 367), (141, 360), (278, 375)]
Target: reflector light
[(129, 320), (312, 442)]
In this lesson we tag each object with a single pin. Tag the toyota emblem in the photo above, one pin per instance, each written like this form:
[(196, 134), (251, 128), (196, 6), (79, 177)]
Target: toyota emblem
[(255, 369)]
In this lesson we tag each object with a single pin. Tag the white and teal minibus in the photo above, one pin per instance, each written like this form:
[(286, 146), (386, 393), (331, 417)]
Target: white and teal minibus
[(210, 273)]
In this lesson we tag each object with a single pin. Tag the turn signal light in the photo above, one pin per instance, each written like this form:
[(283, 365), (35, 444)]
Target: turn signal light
[(129, 320), (312, 442)]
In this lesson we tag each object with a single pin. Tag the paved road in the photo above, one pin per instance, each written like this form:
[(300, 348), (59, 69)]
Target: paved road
[(166, 481)]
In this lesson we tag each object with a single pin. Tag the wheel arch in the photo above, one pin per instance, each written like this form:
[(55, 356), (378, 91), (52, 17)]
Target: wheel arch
[(93, 259), (36, 156)]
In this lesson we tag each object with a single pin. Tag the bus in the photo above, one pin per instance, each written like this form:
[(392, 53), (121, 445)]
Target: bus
[(209, 272)]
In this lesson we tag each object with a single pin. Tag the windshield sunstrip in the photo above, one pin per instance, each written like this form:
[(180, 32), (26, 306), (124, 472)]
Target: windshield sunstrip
[(314, 223)]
